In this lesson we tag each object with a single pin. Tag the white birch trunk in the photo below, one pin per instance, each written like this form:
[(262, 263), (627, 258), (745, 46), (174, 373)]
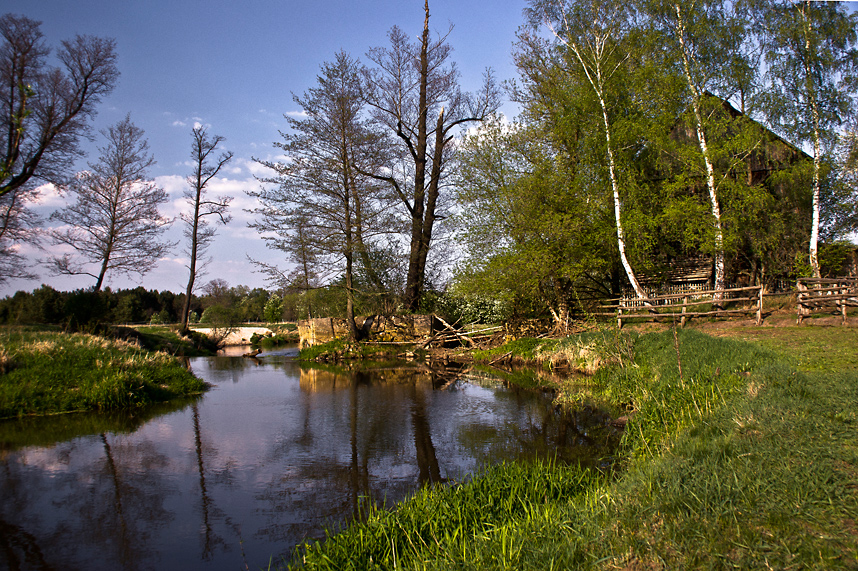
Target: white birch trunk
[(597, 84), (817, 150), (704, 150)]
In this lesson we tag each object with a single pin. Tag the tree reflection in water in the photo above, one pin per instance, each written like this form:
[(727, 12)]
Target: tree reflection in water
[(273, 455)]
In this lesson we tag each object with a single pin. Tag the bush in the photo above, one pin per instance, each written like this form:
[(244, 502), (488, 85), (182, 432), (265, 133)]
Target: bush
[(220, 316), (471, 308), (273, 311)]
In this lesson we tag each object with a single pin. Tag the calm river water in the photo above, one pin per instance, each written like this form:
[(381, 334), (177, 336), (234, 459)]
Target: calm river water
[(268, 458)]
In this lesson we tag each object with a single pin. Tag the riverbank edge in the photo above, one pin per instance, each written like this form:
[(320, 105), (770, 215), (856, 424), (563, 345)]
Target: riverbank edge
[(48, 372), (709, 479)]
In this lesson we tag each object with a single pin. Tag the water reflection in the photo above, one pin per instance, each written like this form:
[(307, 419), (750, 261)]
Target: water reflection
[(269, 457)]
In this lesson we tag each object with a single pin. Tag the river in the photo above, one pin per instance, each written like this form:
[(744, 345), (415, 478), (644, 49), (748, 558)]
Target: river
[(271, 456)]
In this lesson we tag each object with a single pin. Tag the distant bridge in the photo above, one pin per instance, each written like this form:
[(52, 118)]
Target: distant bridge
[(237, 335)]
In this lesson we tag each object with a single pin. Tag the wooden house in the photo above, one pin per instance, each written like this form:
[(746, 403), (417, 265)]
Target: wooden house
[(678, 269)]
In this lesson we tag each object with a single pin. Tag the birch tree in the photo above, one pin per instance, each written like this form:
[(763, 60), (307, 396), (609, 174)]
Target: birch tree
[(593, 31), (700, 39), (813, 63), (198, 230)]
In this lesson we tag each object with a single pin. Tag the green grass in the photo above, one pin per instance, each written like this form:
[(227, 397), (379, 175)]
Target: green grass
[(343, 349), (435, 518), (167, 339), (44, 372), (747, 459)]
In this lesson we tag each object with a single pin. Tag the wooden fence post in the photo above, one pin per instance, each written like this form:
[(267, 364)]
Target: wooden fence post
[(844, 292), (760, 306), (620, 316), (799, 295), (684, 310)]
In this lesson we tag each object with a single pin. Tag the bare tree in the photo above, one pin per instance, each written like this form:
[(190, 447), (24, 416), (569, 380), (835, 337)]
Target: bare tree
[(198, 230), (115, 223), (45, 110), (17, 225), (415, 94), (325, 205)]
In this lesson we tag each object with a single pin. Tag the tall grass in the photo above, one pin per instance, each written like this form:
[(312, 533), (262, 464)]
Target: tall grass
[(742, 461), (437, 518), (48, 372)]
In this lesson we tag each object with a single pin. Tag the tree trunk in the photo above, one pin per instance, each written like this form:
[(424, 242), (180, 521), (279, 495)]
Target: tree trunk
[(817, 149), (707, 159), (417, 255), (596, 79), (186, 308)]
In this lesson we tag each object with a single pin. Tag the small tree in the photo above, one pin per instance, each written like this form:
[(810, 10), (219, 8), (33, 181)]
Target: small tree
[(114, 224), (198, 230), (273, 311)]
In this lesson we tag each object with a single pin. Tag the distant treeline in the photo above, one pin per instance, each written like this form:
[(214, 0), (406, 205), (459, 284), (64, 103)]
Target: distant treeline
[(84, 308), (79, 308)]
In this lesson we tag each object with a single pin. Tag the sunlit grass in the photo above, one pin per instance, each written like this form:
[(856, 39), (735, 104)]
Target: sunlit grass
[(744, 459), (48, 372), (438, 518)]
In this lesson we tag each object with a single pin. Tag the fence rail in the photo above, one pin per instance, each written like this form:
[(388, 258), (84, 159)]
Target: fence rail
[(680, 304), (818, 293)]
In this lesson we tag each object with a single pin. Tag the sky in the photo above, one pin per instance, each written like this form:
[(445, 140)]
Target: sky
[(233, 67)]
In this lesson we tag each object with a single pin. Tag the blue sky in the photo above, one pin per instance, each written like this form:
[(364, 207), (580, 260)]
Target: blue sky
[(233, 67)]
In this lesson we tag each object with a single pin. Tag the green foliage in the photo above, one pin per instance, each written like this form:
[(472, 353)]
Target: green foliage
[(536, 218), (834, 258), (87, 310), (160, 318), (221, 316), (273, 311), (524, 349), (472, 308), (280, 336), (168, 340)]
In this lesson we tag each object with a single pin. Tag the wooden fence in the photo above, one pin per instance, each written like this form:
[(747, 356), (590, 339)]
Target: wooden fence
[(682, 305), (815, 294)]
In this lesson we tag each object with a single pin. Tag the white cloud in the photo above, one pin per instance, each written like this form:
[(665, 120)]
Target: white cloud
[(297, 114), (184, 262), (49, 197)]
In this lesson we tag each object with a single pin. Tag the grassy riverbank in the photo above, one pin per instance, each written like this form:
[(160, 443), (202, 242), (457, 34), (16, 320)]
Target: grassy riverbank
[(45, 372), (736, 454)]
